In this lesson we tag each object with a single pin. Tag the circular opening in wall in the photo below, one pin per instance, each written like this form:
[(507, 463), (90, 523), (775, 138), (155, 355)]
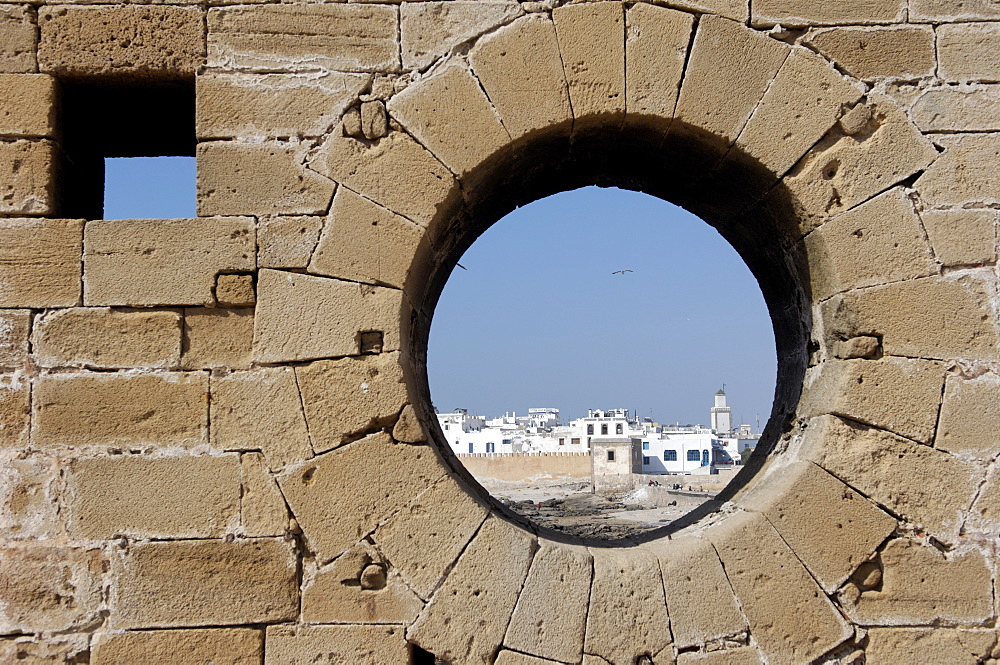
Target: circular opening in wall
[(602, 362)]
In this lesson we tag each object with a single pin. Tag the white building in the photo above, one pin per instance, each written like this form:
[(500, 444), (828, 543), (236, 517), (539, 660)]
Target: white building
[(722, 417)]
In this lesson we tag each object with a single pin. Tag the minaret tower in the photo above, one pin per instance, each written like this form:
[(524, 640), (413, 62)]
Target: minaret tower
[(722, 419)]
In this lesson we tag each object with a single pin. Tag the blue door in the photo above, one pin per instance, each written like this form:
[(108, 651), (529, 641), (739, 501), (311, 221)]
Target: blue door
[(704, 458), (470, 447)]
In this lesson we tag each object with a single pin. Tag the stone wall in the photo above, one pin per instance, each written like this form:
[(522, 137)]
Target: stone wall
[(216, 433), (525, 466)]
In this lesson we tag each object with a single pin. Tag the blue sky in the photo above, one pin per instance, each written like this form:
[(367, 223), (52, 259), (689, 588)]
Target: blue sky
[(539, 320)]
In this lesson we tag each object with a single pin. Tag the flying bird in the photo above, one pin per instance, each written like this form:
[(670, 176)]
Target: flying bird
[(621, 272), (461, 266)]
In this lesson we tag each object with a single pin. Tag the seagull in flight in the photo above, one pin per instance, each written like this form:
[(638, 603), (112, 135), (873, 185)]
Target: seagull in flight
[(621, 272)]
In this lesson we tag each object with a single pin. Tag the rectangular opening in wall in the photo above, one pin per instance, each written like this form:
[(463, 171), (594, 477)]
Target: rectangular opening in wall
[(149, 187)]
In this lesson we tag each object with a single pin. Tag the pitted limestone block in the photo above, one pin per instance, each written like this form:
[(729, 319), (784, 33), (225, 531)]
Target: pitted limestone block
[(831, 528), (46, 588), (15, 410), (259, 179), (878, 52), (862, 346), (273, 105), (262, 507), (51, 650), (932, 317), (592, 47), (973, 108), (969, 417), (235, 291), (946, 11), (18, 39), (738, 656), (143, 262), (479, 594), (27, 177), (343, 495), (449, 113), (408, 428), (140, 497), (922, 485), (15, 328), (964, 173), (920, 585), (204, 583), (289, 38), (506, 657), (139, 41), (260, 410), (890, 646), (425, 538), (798, 13), (877, 242), (845, 169), (394, 171), (962, 237), (734, 9), (347, 397), (984, 516), (699, 598), (28, 496), (590, 659), (27, 105), (430, 30), (217, 337), (100, 409), (374, 120), (303, 317), (287, 242), (358, 588), (521, 57), (761, 568), (40, 262), (656, 45), (219, 646), (901, 395), (364, 242), (628, 614), (967, 51), (303, 645), (548, 629), (105, 338)]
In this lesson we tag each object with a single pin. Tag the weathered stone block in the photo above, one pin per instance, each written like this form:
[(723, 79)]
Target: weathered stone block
[(139, 497), (905, 52), (141, 41), (15, 327), (341, 496), (364, 242), (260, 410), (45, 588), (888, 646), (430, 30), (40, 262), (481, 591), (962, 237), (958, 109), (204, 583), (273, 105), (219, 646), (28, 495), (506, 657), (408, 428), (259, 179), (302, 317), (164, 261), (287, 242), (967, 51), (963, 174), (300, 645), (946, 11), (105, 338), (15, 411), (553, 630), (592, 45), (424, 538), (969, 416), (656, 45), (235, 291), (338, 37), (217, 337), (51, 650), (518, 58), (925, 486), (699, 598), (27, 105), (262, 508), (27, 177), (358, 587), (91, 409), (18, 39), (737, 656), (449, 113), (797, 13), (804, 624)]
